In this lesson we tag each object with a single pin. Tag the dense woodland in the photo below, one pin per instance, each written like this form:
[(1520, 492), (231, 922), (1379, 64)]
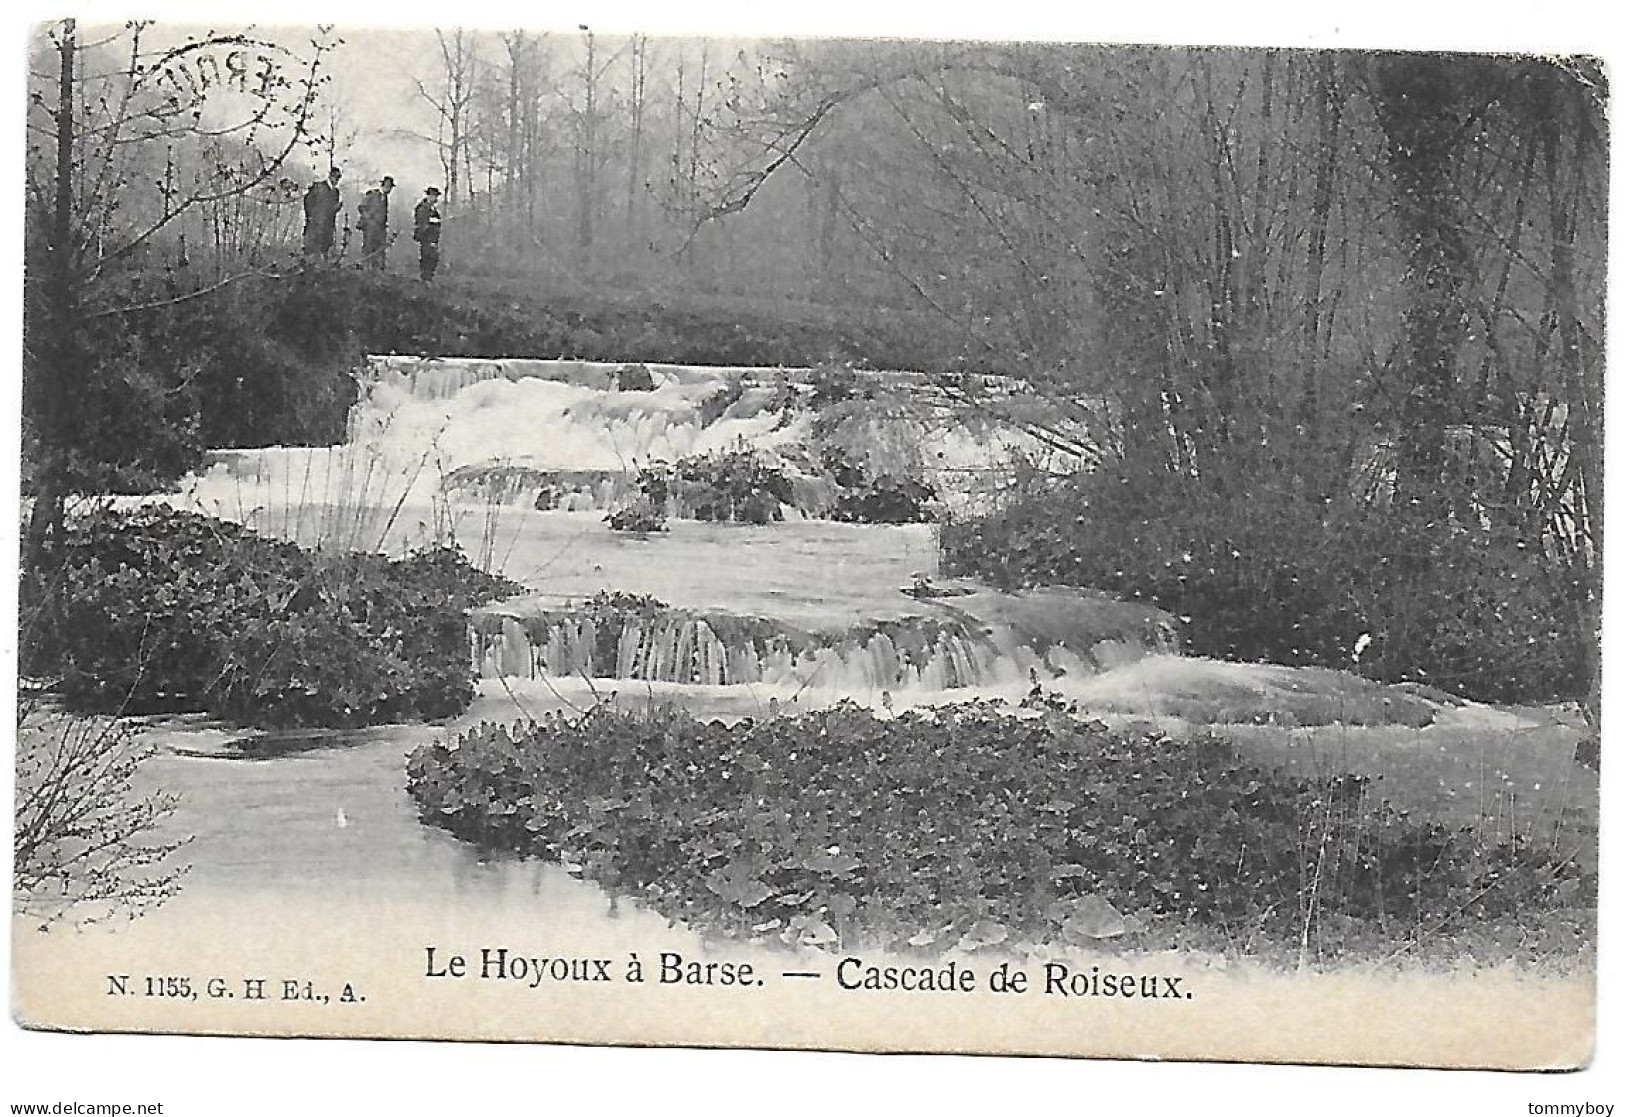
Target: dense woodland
[(1337, 318)]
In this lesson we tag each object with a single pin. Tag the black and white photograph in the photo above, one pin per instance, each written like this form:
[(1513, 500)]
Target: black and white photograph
[(560, 533)]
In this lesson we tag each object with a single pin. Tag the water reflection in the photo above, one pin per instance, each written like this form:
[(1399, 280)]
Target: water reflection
[(332, 823)]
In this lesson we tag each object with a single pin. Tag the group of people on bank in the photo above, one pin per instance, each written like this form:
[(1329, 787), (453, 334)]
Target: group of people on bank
[(323, 204)]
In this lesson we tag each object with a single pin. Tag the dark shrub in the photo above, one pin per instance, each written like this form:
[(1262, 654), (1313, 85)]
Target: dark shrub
[(737, 486), (507, 318), (1478, 610), (264, 362), (962, 822), (714, 405), (157, 609), (259, 363), (865, 499), (833, 383), (1262, 574), (140, 422), (639, 516)]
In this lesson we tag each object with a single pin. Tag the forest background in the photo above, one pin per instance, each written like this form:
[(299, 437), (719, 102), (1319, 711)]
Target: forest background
[(1332, 322)]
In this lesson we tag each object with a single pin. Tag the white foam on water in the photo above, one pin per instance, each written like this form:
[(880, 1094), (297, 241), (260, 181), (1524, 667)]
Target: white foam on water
[(420, 424), (410, 432), (461, 451)]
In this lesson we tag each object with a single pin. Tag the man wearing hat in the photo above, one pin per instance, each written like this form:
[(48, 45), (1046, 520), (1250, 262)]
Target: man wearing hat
[(372, 218), (426, 231), (321, 214)]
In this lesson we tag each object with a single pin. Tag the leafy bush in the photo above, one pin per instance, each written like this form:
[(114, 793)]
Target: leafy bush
[(714, 405), (1262, 574), (786, 399), (639, 516), (745, 486), (833, 383), (737, 486), (1256, 584), (882, 499), (158, 609), (1479, 610), (136, 424), (963, 826), (261, 363), (258, 363)]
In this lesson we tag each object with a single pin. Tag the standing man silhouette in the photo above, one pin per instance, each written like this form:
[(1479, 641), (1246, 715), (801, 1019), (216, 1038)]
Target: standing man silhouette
[(321, 214), (372, 218), (426, 231)]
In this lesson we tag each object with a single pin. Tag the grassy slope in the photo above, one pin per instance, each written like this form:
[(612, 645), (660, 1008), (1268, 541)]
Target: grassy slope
[(482, 316)]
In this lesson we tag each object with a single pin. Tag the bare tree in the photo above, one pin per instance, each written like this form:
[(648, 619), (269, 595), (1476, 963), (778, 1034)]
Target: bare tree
[(86, 845), (591, 111), (132, 136), (637, 104), (452, 99)]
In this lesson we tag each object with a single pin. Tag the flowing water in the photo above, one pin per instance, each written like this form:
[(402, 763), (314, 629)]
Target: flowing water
[(333, 825), (516, 461)]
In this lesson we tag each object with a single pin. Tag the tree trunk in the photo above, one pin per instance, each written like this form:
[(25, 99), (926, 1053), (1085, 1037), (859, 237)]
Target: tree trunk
[(55, 366), (634, 161), (1329, 120), (1417, 111)]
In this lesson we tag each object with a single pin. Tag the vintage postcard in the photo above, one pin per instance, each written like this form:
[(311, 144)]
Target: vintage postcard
[(864, 544)]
